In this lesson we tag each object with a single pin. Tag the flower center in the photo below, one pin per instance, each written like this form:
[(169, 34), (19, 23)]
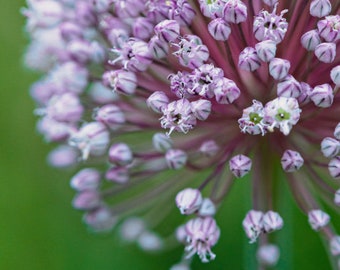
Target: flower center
[(282, 115)]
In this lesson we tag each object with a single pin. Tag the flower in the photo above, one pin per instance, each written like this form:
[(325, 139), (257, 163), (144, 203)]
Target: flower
[(144, 94)]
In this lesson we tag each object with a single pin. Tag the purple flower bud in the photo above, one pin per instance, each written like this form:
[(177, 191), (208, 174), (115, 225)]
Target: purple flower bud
[(337, 131), (234, 11), (189, 201), (240, 165), (334, 167), (329, 28), (266, 50), (101, 94), (211, 9), (65, 108), (182, 12), (118, 175), (272, 221), (63, 156), (120, 154), (306, 91), (158, 48), (335, 75), (268, 254), (325, 52), (128, 8), (278, 68), (201, 109), (318, 219), (270, 2), (310, 40), (181, 234), (175, 158), (202, 234), (207, 208), (291, 161), (122, 81), (53, 130), (209, 148), (85, 14), (142, 28), (161, 142), (322, 95), (86, 179), (100, 219), (337, 197), (70, 31), (320, 8), (289, 87), (157, 100), (118, 37), (219, 29), (79, 50), (110, 115), (92, 138), (149, 241), (132, 228), (86, 200), (330, 147), (226, 91), (167, 30), (253, 225), (249, 60), (335, 245)]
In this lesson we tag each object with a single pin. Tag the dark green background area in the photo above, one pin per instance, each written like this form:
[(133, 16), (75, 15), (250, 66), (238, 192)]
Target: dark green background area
[(39, 229)]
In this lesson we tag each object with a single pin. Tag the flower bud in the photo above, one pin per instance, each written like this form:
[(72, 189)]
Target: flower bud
[(289, 87), (167, 30), (278, 68), (181, 234), (268, 255), (219, 29), (86, 179), (235, 11), (240, 165), (63, 156), (272, 221), (157, 100), (322, 95), (175, 158), (335, 75), (270, 2), (318, 219), (118, 175), (266, 50), (120, 154), (320, 8), (310, 40), (330, 147), (252, 225), (325, 52), (132, 228), (334, 167), (86, 200), (337, 131), (306, 91), (249, 60), (209, 148), (329, 28), (207, 208), (189, 201), (161, 142), (291, 161), (226, 91), (70, 31), (201, 109), (158, 48), (110, 115), (100, 219), (337, 197), (142, 28), (335, 245), (149, 241), (122, 81), (101, 94)]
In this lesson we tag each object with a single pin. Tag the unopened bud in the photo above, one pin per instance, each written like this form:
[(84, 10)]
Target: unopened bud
[(240, 165), (189, 201), (176, 158), (291, 161), (318, 219)]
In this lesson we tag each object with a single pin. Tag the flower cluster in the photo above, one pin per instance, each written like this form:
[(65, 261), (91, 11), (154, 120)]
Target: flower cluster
[(145, 95)]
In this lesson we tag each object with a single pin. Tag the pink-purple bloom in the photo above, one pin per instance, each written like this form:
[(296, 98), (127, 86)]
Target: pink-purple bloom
[(147, 95)]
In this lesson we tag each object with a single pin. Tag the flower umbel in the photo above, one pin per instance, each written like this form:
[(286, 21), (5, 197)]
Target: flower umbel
[(147, 96)]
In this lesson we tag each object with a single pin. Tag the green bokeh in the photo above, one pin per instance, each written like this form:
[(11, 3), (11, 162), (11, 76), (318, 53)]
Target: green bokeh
[(40, 230)]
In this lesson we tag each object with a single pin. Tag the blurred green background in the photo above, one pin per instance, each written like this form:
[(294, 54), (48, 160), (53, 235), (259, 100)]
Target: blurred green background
[(40, 230)]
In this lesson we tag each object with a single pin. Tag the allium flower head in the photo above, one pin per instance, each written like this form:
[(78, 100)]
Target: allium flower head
[(174, 100)]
